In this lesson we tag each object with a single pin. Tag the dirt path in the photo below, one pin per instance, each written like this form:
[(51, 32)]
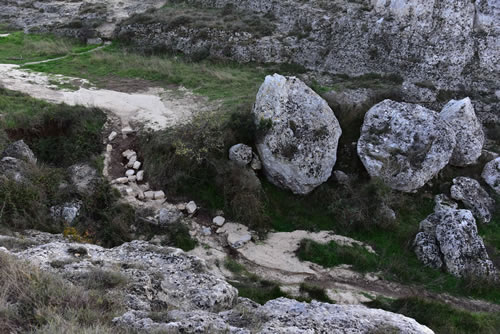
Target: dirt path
[(154, 107)]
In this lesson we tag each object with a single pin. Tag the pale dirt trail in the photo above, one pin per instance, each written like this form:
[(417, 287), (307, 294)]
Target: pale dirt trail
[(154, 108)]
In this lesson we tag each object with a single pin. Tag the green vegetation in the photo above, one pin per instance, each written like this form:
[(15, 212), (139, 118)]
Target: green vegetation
[(99, 279), (32, 301), (230, 19), (58, 134), (440, 317), (19, 48), (331, 255), (316, 293), (178, 236)]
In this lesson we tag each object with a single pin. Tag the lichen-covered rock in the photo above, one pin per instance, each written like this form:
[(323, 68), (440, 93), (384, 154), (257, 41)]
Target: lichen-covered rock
[(156, 276), (13, 168), (280, 316), (491, 174), (298, 134), (404, 144), (21, 151), (84, 178), (241, 154), (469, 133), (474, 197), (448, 239), (168, 216), (67, 211)]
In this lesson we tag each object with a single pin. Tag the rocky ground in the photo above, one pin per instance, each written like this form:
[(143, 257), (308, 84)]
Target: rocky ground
[(425, 127)]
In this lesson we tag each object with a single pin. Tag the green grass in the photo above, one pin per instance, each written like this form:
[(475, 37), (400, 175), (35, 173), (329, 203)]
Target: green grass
[(19, 48), (178, 236), (235, 85), (440, 317), (331, 255), (58, 134)]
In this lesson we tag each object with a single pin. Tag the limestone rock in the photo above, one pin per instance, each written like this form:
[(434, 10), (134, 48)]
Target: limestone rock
[(67, 211), (256, 164), (13, 168), (112, 136), (159, 194), (298, 134), (21, 151), (241, 154), (404, 144), (279, 316), (140, 176), (219, 221), (130, 172), (469, 133), (155, 275), (448, 239), (84, 178), (169, 216), (474, 197), (491, 174), (191, 207)]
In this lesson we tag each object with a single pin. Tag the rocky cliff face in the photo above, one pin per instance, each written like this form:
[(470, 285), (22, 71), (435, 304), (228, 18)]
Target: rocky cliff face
[(453, 44)]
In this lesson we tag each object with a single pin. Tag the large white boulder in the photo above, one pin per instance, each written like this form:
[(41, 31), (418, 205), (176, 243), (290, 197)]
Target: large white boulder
[(469, 132), (448, 239), (404, 144), (491, 174), (298, 134)]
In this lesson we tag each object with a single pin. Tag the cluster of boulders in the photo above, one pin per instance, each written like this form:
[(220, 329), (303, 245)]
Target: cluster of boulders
[(406, 145), (448, 239), (166, 280)]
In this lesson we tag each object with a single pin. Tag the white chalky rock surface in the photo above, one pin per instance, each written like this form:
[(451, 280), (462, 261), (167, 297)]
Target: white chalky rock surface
[(298, 134), (469, 132)]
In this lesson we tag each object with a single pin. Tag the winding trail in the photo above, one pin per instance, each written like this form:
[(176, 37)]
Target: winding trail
[(154, 107)]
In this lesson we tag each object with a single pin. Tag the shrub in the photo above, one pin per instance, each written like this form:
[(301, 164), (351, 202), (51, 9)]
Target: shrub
[(33, 301), (178, 236), (99, 279), (331, 255)]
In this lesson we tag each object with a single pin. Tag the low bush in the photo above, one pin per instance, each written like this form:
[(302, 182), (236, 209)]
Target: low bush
[(39, 302), (331, 255), (177, 235)]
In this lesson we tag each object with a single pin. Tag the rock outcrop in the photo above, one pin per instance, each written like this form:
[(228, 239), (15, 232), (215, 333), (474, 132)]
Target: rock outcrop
[(404, 144), (21, 151), (84, 178), (469, 133), (474, 197), (491, 174), (448, 239), (298, 134), (160, 279)]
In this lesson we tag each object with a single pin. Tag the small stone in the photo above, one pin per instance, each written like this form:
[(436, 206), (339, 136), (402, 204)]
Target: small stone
[(241, 154), (140, 175), (132, 160), (109, 148), (149, 194), (491, 174), (132, 178), (129, 192), (130, 172), (136, 165), (112, 136), (181, 206), (256, 164), (219, 221), (127, 131), (140, 195), (128, 153), (206, 231), (159, 194), (121, 180), (341, 177), (191, 207)]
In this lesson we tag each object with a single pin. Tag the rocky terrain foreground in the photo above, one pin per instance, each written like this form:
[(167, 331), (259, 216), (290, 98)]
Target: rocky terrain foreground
[(219, 166)]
